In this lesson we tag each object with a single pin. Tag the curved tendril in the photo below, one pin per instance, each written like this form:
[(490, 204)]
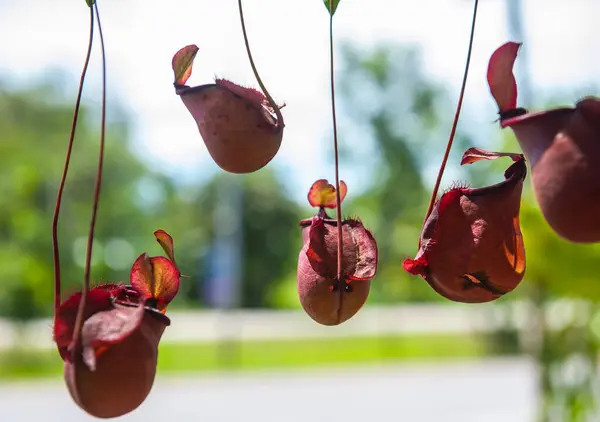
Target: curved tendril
[(276, 108), (61, 187), (88, 258), (456, 117), (335, 151)]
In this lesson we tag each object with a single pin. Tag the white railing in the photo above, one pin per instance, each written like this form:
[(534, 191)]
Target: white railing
[(214, 325)]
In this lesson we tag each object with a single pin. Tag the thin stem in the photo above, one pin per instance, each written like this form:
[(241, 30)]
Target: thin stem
[(96, 200), (276, 108), (335, 152), (456, 117), (61, 187)]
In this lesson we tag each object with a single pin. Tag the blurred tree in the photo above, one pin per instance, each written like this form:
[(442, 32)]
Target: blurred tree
[(400, 111), (135, 201), (563, 334), (404, 114), (270, 232), (35, 124)]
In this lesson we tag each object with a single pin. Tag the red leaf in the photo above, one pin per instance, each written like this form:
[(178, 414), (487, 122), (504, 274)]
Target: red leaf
[(322, 194), (155, 278), (166, 281), (182, 63), (141, 277), (360, 250), (321, 260), (98, 299), (107, 328), (166, 242), (365, 266), (474, 154), (501, 79)]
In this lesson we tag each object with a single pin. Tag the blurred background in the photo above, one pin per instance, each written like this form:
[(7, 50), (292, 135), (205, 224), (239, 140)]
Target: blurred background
[(239, 345)]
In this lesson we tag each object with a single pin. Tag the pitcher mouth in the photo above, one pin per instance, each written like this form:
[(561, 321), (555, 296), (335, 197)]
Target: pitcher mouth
[(151, 310), (516, 172), (589, 101), (308, 221), (590, 109), (185, 89), (268, 113), (528, 117)]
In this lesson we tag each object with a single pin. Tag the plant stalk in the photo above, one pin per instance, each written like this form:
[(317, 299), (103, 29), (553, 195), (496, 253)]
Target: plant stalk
[(276, 108), (340, 250), (456, 117), (88, 258), (61, 187)]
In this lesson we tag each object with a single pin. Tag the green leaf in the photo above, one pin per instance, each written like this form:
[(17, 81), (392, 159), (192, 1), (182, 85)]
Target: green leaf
[(90, 3), (331, 5)]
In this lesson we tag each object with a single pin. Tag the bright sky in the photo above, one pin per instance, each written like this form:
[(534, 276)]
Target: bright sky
[(290, 46)]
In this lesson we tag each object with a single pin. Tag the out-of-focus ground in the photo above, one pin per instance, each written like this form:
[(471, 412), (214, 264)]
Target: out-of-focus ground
[(490, 390)]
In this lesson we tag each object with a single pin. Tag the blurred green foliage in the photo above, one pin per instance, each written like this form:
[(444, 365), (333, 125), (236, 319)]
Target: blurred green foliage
[(302, 353), (270, 235), (564, 269), (398, 112), (387, 125), (403, 114), (35, 124), (135, 201)]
